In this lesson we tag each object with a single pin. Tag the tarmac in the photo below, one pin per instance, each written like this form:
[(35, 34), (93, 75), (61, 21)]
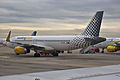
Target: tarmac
[(11, 64)]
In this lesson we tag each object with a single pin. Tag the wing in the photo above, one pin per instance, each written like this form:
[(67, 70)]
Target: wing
[(34, 46), (111, 72)]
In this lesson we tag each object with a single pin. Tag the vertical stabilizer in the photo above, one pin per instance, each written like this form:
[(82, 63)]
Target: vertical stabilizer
[(8, 37), (93, 27), (34, 33)]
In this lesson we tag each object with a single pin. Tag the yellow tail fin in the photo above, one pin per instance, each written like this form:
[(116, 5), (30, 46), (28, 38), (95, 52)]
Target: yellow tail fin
[(8, 37)]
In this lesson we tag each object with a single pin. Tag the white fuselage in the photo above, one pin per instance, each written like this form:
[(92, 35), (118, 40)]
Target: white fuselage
[(89, 36), (56, 42)]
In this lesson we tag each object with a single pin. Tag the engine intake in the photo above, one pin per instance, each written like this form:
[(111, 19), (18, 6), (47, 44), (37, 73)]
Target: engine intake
[(117, 43), (112, 49), (4, 44), (21, 50)]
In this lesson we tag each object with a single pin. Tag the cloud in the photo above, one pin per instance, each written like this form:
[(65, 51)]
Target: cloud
[(54, 9), (56, 14)]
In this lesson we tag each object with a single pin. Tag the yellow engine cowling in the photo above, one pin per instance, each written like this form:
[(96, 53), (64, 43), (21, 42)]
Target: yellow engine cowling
[(111, 49), (117, 43), (4, 44), (19, 50)]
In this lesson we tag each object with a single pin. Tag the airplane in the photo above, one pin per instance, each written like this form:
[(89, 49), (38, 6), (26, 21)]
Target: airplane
[(111, 44), (55, 44), (3, 40)]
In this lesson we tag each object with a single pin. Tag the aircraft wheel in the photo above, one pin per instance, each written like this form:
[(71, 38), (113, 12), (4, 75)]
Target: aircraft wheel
[(55, 54), (17, 54), (36, 55), (102, 52)]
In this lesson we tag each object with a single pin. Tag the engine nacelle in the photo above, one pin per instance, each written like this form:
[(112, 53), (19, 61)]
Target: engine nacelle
[(117, 43), (21, 50), (112, 49), (4, 43)]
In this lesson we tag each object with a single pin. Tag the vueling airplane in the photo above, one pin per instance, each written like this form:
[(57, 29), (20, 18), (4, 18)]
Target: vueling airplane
[(3, 40), (54, 44), (111, 44)]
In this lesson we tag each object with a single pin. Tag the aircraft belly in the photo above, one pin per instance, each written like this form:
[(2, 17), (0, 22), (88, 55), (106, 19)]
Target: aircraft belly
[(57, 45)]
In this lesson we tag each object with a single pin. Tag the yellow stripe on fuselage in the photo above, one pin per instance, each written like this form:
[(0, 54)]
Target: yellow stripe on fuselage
[(28, 37)]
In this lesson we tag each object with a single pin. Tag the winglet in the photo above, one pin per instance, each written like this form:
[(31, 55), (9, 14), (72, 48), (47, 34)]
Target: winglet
[(8, 37)]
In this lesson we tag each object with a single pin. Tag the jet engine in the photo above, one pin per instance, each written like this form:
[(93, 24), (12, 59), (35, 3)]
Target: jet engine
[(4, 44), (112, 48), (21, 50), (118, 43)]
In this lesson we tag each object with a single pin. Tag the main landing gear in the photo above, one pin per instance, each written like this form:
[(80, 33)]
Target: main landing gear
[(36, 55), (55, 53), (102, 50)]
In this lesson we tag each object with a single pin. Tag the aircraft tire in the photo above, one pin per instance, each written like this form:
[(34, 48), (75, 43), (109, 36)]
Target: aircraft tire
[(102, 52), (17, 54), (55, 54), (36, 55)]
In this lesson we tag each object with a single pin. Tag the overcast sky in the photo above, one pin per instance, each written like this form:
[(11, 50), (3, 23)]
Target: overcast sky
[(57, 17)]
